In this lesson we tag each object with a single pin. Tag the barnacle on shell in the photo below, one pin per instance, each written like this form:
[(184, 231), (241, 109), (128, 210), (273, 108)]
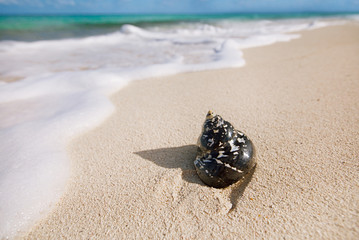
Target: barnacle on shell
[(225, 155)]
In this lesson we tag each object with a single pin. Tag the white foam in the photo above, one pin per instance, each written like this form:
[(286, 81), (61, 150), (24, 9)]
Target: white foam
[(354, 17), (66, 87)]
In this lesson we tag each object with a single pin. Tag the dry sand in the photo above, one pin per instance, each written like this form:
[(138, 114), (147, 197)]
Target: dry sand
[(133, 176)]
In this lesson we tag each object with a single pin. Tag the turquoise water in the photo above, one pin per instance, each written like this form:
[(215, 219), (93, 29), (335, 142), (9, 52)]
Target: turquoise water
[(33, 27)]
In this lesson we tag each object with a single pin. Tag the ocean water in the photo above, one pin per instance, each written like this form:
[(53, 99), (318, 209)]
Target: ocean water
[(67, 67)]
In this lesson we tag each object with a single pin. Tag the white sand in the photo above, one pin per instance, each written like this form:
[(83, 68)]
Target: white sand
[(133, 177)]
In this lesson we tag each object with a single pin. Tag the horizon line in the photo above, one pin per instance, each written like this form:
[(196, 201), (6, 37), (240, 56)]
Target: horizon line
[(177, 13)]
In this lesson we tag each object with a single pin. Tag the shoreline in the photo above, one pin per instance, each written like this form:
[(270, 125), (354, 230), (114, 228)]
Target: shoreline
[(136, 168)]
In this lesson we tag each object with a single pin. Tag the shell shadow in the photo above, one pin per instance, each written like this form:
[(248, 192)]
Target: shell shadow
[(175, 157), (183, 157)]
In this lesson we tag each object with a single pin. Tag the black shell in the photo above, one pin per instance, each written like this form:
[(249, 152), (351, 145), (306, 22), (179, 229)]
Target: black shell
[(225, 155)]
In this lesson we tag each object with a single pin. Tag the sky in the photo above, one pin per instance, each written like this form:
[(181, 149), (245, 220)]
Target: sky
[(174, 6)]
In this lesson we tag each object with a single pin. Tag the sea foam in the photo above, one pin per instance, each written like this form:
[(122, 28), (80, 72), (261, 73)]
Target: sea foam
[(65, 91)]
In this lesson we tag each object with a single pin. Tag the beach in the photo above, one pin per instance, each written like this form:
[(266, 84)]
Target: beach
[(132, 177)]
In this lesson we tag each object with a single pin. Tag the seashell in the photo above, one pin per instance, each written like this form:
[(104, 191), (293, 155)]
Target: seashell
[(225, 155)]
